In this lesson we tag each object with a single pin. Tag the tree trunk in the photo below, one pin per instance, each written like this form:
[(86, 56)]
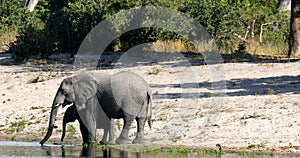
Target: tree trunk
[(283, 5), (30, 4), (294, 44)]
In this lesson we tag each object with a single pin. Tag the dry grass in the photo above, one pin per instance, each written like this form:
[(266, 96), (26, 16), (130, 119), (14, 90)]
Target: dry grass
[(268, 50), (253, 49), (6, 38), (170, 46)]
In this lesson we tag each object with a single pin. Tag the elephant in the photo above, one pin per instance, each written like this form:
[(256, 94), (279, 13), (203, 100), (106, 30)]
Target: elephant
[(107, 125), (123, 95)]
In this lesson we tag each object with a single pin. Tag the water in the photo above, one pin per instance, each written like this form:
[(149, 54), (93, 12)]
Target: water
[(34, 149)]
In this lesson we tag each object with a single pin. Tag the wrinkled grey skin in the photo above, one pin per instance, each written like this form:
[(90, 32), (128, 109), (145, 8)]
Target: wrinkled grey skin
[(123, 95), (102, 122)]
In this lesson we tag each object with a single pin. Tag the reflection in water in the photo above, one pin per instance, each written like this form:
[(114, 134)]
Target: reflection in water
[(109, 152), (25, 149), (90, 151), (63, 151)]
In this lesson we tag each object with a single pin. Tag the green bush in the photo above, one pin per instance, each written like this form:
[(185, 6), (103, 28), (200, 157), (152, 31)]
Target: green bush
[(16, 126), (27, 27), (228, 22), (12, 17), (32, 42)]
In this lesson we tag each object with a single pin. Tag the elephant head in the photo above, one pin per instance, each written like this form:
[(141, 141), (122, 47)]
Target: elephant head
[(77, 89)]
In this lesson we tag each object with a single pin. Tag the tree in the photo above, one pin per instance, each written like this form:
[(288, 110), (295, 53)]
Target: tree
[(294, 44)]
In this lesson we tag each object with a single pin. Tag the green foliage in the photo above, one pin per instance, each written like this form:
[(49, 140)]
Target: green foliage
[(228, 21), (208, 13), (31, 40), (71, 131), (154, 71), (181, 151), (44, 110), (16, 126), (12, 14), (262, 144), (12, 17), (174, 138), (60, 26)]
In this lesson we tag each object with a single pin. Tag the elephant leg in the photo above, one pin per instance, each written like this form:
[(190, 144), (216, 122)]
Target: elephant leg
[(128, 119), (104, 137), (108, 129), (111, 132), (139, 139), (84, 133), (87, 127)]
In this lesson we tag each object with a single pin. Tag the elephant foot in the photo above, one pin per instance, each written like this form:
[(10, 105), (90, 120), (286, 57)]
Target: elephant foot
[(139, 139), (123, 137), (89, 144), (110, 142), (102, 143), (121, 141)]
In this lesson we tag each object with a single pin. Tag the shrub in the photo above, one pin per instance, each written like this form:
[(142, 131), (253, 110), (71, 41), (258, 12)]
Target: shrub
[(16, 126)]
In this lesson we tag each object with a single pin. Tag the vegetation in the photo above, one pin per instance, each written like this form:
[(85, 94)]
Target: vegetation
[(174, 138), (16, 126), (71, 131), (262, 144), (154, 71), (241, 28)]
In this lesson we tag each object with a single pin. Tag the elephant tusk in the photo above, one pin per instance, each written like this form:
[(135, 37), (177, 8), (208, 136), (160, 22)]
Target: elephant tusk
[(64, 105), (56, 106)]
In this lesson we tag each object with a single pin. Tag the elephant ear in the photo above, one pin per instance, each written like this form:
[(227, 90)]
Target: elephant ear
[(85, 87)]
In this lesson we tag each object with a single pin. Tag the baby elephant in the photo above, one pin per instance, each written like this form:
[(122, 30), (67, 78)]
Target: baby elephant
[(102, 123)]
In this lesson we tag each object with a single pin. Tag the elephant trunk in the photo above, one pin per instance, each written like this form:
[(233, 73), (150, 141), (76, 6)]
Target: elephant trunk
[(63, 131), (53, 114)]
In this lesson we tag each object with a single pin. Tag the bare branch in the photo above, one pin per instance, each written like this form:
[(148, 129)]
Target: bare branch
[(253, 26), (261, 30), (239, 36), (247, 32)]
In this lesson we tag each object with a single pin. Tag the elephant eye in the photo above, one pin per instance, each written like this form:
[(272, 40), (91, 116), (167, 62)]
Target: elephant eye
[(63, 92)]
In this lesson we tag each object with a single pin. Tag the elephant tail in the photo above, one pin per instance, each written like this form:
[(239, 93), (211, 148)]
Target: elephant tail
[(149, 113), (150, 122)]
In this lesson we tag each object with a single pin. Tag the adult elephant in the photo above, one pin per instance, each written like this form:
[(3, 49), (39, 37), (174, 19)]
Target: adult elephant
[(102, 122), (123, 95)]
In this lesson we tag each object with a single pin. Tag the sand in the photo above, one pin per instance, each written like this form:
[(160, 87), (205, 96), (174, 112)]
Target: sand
[(260, 106)]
